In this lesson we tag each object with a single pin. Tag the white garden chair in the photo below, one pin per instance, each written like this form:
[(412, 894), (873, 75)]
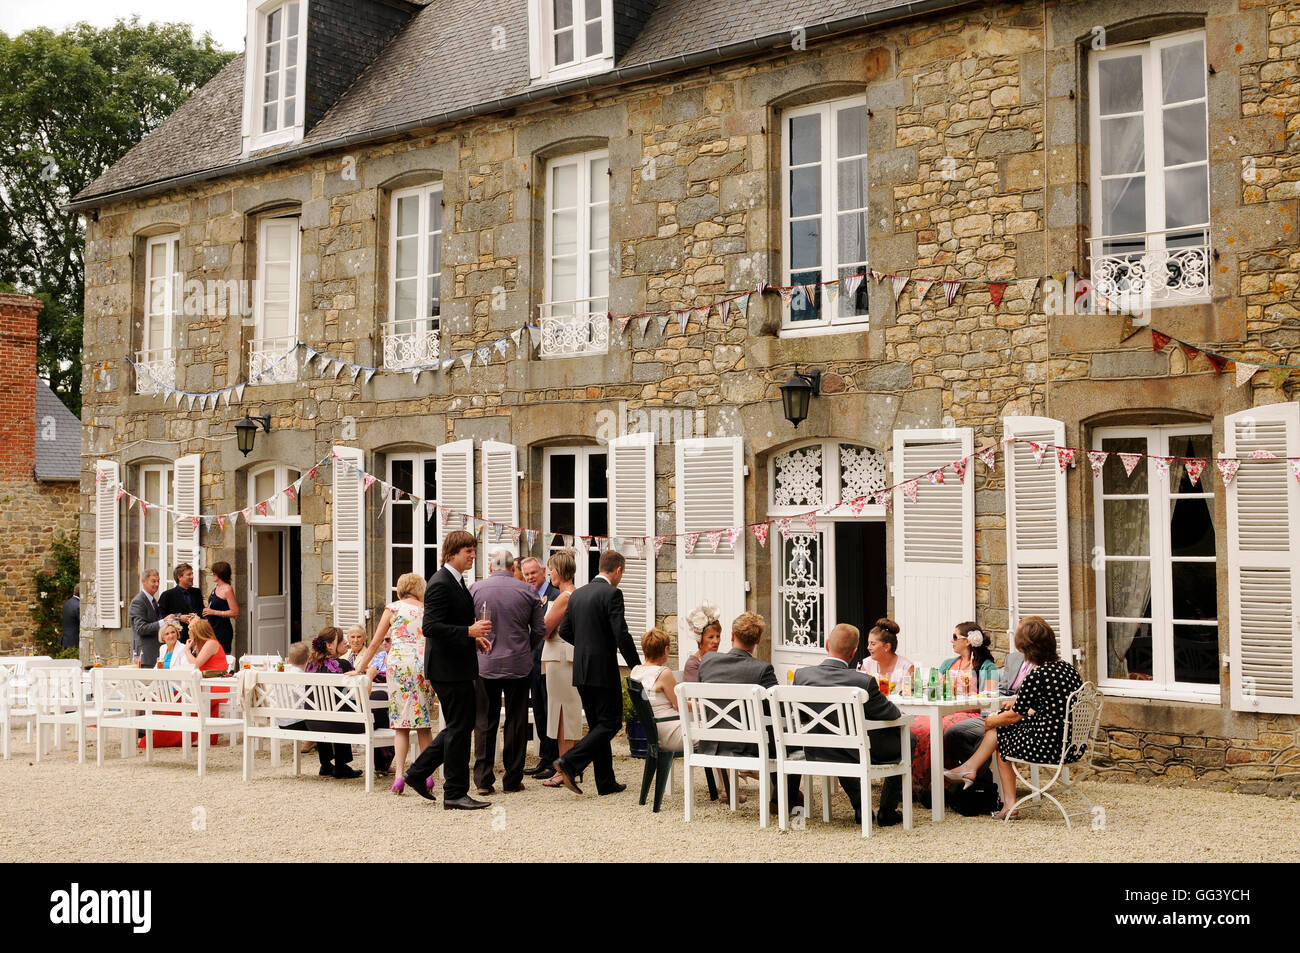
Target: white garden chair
[(808, 719), (59, 697), (1082, 716), (16, 704), (724, 713)]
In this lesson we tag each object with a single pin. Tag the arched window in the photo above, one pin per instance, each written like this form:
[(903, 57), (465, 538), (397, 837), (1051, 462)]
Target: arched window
[(267, 485)]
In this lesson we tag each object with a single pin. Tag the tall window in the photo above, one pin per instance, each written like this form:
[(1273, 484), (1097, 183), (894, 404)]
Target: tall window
[(574, 318), (824, 193), (415, 253), (280, 66), (157, 488), (1156, 566), (162, 298), (412, 532), (276, 310), (1150, 169), (576, 494)]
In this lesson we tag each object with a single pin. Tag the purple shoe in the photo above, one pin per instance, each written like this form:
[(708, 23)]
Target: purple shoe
[(399, 785)]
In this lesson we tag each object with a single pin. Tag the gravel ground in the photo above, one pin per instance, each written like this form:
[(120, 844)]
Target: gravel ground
[(138, 812)]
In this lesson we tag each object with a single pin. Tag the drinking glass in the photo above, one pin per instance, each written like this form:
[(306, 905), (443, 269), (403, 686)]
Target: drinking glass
[(991, 687)]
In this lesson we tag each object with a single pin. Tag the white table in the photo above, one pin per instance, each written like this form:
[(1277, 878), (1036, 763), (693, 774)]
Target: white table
[(936, 710)]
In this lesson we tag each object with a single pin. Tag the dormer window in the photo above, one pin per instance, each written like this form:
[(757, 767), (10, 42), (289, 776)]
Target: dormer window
[(274, 73), (571, 38)]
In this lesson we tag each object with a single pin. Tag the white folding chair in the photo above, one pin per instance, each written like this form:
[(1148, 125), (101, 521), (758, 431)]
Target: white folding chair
[(811, 719), (731, 715), (1082, 716)]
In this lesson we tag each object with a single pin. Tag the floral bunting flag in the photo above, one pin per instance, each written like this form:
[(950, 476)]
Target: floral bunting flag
[(783, 526), (887, 499), (221, 521), (1228, 468), (1262, 454), (531, 536), (936, 476), (989, 457), (691, 540), (810, 520), (659, 544), (950, 289), (1194, 466), (715, 537), (247, 513), (959, 467), (484, 354), (1159, 341), (1064, 458), (1096, 460), (996, 290), (194, 522), (119, 493), (909, 491), (922, 289), (1130, 461), (760, 533), (1039, 449), (370, 481), (262, 509), (787, 294), (732, 533), (898, 283), (1162, 466), (1295, 468), (1245, 373), (857, 504), (291, 492)]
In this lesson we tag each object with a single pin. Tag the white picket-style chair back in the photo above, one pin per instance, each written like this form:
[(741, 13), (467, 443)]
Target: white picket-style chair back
[(56, 690), (155, 692), (717, 712), (1083, 715), (807, 717)]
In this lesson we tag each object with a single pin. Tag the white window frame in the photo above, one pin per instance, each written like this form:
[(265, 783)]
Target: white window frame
[(285, 512), (1158, 495), (167, 487), (1153, 108), (413, 333), (582, 501), (830, 211), (255, 74), (594, 313), (286, 370), (541, 43), (418, 460), (170, 297)]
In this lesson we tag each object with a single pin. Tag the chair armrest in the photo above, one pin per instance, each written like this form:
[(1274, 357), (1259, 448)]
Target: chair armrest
[(903, 722)]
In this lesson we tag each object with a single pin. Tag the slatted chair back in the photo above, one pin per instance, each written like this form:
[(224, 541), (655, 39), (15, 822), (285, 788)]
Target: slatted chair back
[(57, 690), (1083, 715), (718, 720), (151, 692), (820, 718)]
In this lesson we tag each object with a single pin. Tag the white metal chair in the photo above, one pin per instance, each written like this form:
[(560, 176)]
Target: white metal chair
[(59, 697), (808, 719), (1082, 716), (731, 714)]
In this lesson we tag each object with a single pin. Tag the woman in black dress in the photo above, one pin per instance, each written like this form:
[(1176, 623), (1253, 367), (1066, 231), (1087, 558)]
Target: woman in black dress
[(222, 606)]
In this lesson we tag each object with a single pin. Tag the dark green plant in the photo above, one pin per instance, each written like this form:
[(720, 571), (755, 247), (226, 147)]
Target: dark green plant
[(52, 590), (629, 712)]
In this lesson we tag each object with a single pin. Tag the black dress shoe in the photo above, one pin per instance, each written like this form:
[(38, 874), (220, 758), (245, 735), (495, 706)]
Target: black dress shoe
[(614, 790), (465, 803), (512, 788), (419, 787), (327, 771), (888, 818), (343, 771), (544, 773), (566, 777), (537, 769)]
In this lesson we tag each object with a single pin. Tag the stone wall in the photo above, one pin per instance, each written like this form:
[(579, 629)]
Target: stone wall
[(31, 514)]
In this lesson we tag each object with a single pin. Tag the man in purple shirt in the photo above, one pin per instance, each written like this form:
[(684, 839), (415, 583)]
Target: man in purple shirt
[(518, 627)]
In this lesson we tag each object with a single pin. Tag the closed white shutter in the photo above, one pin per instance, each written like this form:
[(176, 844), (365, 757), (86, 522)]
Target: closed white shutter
[(455, 488), (185, 534), (632, 513), (108, 561), (934, 543), (1038, 552), (348, 510), (1264, 560), (500, 492), (710, 496)]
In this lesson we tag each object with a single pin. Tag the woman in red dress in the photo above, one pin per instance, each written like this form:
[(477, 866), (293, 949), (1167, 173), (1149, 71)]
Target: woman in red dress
[(207, 655)]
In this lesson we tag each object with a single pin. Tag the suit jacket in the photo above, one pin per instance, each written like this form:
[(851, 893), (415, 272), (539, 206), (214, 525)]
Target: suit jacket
[(595, 626), (450, 655), (71, 623), (517, 624), (734, 667), (1010, 669), (549, 594), (144, 627), (834, 673), (178, 601)]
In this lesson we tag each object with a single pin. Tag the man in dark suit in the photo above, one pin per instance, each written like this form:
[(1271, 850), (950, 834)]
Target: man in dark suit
[(183, 600), (72, 619), (595, 626), (145, 619), (836, 671), (452, 641), (548, 749)]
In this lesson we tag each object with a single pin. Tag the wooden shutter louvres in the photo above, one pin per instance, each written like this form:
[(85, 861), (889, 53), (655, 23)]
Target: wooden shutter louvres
[(501, 492), (185, 533), (456, 489), (108, 586), (349, 526), (632, 513)]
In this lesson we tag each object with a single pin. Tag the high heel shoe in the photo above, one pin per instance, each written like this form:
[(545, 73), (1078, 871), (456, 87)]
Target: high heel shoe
[(968, 779), (399, 785)]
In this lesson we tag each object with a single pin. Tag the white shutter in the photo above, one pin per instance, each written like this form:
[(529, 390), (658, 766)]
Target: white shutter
[(934, 543), (185, 535), (456, 488), (1038, 552), (632, 513), (500, 491), (348, 511), (710, 496), (1264, 560), (108, 583)]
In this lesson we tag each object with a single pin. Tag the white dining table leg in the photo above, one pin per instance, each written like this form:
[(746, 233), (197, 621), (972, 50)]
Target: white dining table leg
[(936, 765)]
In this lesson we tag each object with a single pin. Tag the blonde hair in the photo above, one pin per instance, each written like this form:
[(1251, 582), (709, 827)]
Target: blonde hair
[(410, 584), (162, 631), (564, 563), (201, 631), (297, 654), (748, 628), (655, 644)]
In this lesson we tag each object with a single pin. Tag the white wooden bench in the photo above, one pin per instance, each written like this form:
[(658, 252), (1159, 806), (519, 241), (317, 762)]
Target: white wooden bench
[(58, 694), (17, 706), (343, 700)]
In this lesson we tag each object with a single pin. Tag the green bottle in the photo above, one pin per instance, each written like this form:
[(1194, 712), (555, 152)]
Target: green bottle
[(934, 693)]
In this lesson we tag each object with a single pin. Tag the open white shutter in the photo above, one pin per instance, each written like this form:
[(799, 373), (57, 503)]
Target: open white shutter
[(632, 513), (455, 488), (1038, 552), (934, 542), (710, 496), (185, 534), (1264, 560), (108, 562), (500, 492), (348, 510)]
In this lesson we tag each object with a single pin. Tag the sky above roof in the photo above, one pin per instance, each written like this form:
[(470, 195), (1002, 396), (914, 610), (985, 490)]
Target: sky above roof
[(224, 19)]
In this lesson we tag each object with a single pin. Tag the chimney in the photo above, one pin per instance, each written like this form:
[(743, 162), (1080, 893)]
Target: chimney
[(18, 386)]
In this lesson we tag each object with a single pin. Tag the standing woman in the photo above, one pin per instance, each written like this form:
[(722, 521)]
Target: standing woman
[(222, 607), (563, 706), (410, 696)]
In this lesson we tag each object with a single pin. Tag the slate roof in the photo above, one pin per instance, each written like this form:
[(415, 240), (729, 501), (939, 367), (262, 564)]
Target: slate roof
[(443, 62), (58, 458)]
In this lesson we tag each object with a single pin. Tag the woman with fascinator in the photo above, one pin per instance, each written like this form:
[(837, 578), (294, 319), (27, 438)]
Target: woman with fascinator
[(703, 620)]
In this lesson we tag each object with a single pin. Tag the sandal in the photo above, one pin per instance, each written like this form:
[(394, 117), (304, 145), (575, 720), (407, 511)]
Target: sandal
[(968, 779), (1002, 815), (557, 781)]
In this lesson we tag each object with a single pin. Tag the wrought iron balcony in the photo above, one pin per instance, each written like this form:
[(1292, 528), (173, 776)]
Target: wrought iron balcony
[(410, 343), (272, 360), (155, 370), (571, 328), (1169, 265)]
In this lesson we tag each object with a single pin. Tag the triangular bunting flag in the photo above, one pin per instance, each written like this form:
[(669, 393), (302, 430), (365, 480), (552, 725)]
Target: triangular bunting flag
[(810, 520), (1064, 458), (623, 322), (691, 540), (1277, 376), (415, 374), (959, 466), (897, 284), (783, 526), (922, 289), (531, 536), (1038, 450), (516, 334), (484, 354), (1159, 340), (120, 491), (741, 304), (1190, 351), (732, 534), (1218, 362), (787, 294), (810, 295), (909, 491), (1028, 287), (760, 532), (1096, 460), (996, 290), (1162, 466), (1228, 468), (857, 504), (659, 544), (1262, 454), (702, 315), (760, 288), (1130, 461), (662, 321), (466, 360), (877, 276), (221, 521), (369, 481), (715, 537), (645, 326), (1194, 467), (682, 318), (851, 284), (950, 289), (368, 375), (1245, 372), (1295, 468), (247, 513), (989, 457), (887, 499), (262, 509), (502, 346), (935, 476)]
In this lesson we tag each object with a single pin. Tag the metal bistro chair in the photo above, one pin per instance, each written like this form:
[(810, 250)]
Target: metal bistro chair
[(1082, 716), (658, 760)]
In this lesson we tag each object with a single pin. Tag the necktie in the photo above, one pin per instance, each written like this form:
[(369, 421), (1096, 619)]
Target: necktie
[(1024, 668)]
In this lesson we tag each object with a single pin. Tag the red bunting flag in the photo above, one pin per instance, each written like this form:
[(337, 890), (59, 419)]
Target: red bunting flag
[(1159, 341), (1194, 467), (1190, 352), (659, 544), (909, 491), (989, 457), (810, 520), (936, 476), (783, 526), (960, 467), (715, 537), (996, 290), (760, 532), (857, 504), (1262, 454), (1227, 468), (691, 540), (1217, 362), (1064, 458), (1096, 460)]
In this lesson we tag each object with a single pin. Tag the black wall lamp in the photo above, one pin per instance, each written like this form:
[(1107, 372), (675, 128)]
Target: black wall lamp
[(797, 393), (246, 431)]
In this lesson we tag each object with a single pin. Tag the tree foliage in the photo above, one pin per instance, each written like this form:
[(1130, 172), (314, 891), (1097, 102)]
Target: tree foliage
[(72, 104)]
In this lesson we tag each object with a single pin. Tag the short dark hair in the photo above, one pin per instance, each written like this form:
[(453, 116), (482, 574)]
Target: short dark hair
[(1036, 640), (176, 573), (457, 540), (222, 571), (611, 560)]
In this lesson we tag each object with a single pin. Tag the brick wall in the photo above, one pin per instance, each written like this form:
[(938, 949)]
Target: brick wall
[(18, 386)]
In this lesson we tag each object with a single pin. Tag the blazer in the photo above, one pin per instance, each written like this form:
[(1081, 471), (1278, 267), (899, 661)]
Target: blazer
[(178, 601), (71, 623), (834, 673), (595, 626), (734, 667), (517, 624), (1010, 669), (450, 655), (549, 593), (144, 627)]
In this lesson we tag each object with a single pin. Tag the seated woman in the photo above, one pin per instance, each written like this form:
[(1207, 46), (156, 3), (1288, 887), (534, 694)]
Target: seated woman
[(205, 653), (324, 657), (660, 688), (172, 654), (1032, 728), (356, 644), (883, 660), (973, 657), (708, 630)]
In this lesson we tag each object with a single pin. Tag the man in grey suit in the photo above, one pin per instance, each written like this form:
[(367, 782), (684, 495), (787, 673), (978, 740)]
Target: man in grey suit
[(961, 740), (145, 620), (837, 671)]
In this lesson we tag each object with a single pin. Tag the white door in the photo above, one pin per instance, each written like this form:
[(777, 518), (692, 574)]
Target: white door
[(269, 572)]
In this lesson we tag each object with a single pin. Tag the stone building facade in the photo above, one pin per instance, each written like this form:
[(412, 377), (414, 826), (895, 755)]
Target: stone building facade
[(980, 132)]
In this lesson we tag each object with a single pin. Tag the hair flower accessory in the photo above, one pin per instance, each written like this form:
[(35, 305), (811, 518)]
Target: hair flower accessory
[(701, 616), (975, 637)]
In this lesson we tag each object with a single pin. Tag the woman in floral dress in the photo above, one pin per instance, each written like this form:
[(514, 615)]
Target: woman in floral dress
[(410, 696)]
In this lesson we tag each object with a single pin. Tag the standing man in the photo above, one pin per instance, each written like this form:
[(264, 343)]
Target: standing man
[(452, 639), (183, 600), (145, 621), (548, 749), (517, 627), (595, 626), (72, 619)]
